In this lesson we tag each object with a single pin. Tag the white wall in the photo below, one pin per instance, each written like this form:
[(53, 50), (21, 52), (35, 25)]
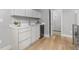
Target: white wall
[(45, 19), (4, 29), (67, 21), (77, 15)]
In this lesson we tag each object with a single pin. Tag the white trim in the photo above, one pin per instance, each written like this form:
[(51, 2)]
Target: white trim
[(61, 21), (66, 35), (7, 47)]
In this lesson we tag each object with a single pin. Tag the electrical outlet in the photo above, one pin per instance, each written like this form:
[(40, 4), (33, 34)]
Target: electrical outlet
[(0, 41)]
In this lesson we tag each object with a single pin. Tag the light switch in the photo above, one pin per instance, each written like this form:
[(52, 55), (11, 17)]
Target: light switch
[(0, 41), (1, 20)]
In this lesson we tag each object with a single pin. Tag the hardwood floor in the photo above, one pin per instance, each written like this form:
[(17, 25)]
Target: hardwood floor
[(56, 42)]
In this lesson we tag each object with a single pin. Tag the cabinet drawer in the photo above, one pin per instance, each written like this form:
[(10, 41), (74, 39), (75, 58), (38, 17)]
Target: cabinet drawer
[(24, 35), (24, 44), (25, 29)]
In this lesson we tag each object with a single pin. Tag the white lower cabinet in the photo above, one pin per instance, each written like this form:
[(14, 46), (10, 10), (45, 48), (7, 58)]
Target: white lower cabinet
[(24, 37)]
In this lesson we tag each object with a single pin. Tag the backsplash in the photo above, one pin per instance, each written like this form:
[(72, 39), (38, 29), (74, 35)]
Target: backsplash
[(20, 19), (24, 20)]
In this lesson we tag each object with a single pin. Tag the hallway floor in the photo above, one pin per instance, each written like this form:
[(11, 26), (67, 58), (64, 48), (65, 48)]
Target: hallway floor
[(56, 42)]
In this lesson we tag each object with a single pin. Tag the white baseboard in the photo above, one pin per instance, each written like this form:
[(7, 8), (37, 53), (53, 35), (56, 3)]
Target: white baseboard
[(7, 47), (66, 35)]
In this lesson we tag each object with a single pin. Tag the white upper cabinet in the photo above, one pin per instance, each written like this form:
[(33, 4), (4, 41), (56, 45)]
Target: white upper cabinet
[(12, 12), (25, 12), (35, 14), (19, 12), (32, 13), (28, 12)]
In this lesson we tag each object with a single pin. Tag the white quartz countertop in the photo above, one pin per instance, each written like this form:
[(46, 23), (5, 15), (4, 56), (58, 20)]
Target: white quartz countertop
[(22, 26), (18, 27)]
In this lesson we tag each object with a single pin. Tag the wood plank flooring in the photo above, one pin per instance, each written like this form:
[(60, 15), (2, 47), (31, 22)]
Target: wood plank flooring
[(56, 42)]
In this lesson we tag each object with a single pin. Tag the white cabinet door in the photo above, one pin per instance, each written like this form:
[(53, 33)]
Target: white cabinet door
[(33, 34), (24, 35), (38, 31), (24, 44), (18, 12), (14, 39), (12, 12), (38, 15), (28, 12), (35, 14), (32, 13), (77, 15), (25, 12)]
